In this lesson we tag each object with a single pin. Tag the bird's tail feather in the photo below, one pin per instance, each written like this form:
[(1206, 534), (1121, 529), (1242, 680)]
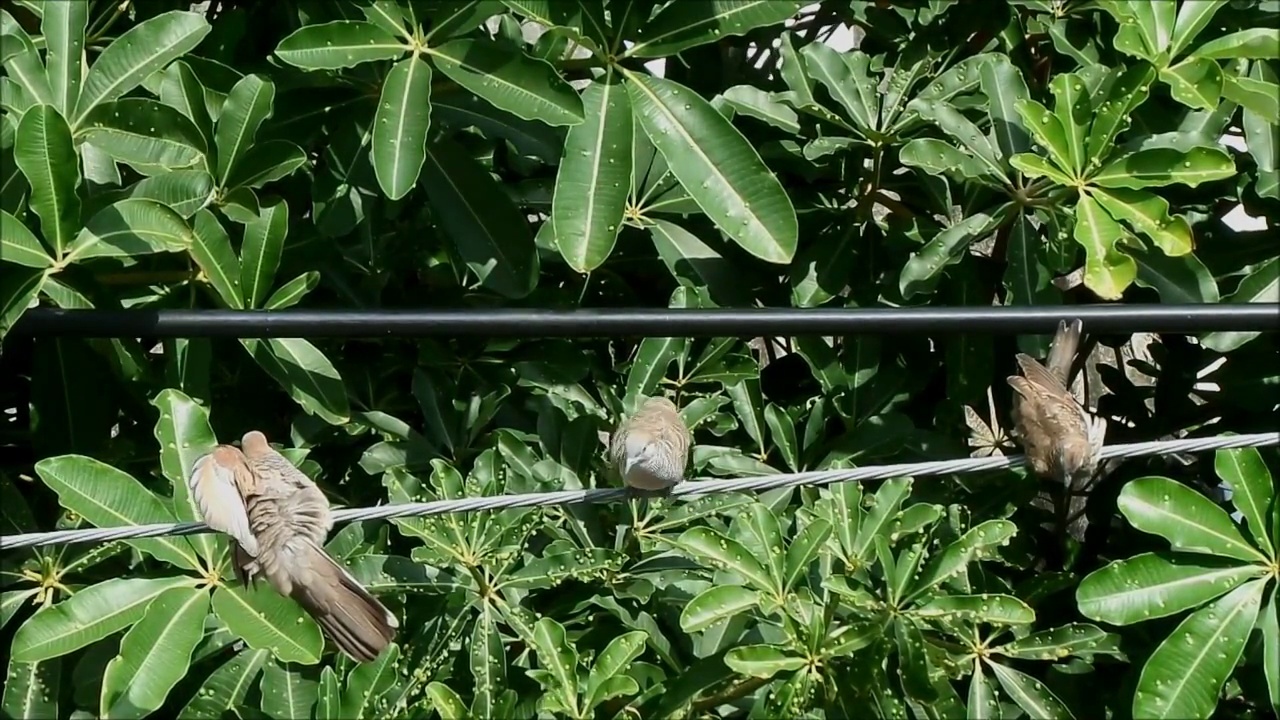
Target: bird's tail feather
[(354, 619)]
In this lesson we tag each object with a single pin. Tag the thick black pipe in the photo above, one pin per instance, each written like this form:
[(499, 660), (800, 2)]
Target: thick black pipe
[(658, 322)]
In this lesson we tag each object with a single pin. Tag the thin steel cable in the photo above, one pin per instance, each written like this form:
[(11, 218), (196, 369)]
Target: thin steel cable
[(694, 488)]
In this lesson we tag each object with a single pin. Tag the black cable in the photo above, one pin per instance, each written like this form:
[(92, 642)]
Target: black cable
[(658, 322)]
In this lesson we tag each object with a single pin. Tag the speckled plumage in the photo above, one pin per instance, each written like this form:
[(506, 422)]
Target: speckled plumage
[(650, 449), (287, 520), (1060, 438)]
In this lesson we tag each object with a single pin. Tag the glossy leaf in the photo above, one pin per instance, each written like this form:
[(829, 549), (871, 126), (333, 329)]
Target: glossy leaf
[(523, 86), (1252, 490), (1185, 674), (716, 604), (108, 497), (45, 153), (138, 53), (714, 163), (1190, 521), (266, 620), (155, 653), (400, 126), (1153, 585), (338, 44), (594, 178)]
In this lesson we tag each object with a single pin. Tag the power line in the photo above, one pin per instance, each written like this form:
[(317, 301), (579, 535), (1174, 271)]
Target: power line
[(691, 489), (645, 322)]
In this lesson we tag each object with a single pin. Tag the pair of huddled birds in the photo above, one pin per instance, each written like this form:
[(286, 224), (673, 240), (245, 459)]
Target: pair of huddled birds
[(278, 519)]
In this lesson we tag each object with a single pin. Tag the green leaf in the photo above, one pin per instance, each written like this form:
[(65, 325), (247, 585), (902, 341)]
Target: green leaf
[(1270, 625), (31, 690), (558, 657), (1154, 585), (783, 431), (490, 233), (694, 263), (44, 151), (1148, 214), (183, 191), (286, 694), (366, 684), (937, 157), (1260, 286), (1115, 101), (1075, 113), (63, 26), (956, 557), (613, 662), (140, 131), (184, 92), (1161, 166), (680, 26), (1107, 271), (292, 292), (212, 251), (266, 162), (19, 246), (1196, 83), (1054, 644), (716, 604), (248, 105), (1188, 520), (184, 434), (1185, 674), (305, 373), (338, 44), (1258, 42), (226, 687), (107, 497), (400, 126), (913, 661), (90, 615), (717, 166), (131, 227), (1182, 279), (988, 608), (155, 654), (848, 78), (136, 54), (923, 267), (982, 701), (1034, 166), (267, 620), (762, 661), (488, 661), (594, 180), (754, 102), (1004, 86), (1252, 489), (261, 250), (18, 288), (446, 702), (1192, 18), (328, 695), (1030, 694), (954, 123), (724, 553), (1048, 130), (526, 87)]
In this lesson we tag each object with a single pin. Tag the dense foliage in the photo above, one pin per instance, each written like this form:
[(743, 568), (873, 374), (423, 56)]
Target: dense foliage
[(525, 153)]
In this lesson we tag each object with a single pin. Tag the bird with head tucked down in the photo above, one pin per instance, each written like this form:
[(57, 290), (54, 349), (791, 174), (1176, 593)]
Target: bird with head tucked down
[(278, 520), (1061, 439), (650, 449)]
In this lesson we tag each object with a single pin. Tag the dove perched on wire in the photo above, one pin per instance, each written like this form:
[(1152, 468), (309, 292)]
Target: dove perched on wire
[(650, 449), (278, 520), (1061, 439)]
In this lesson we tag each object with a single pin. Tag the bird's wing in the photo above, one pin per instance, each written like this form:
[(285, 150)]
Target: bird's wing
[(1039, 375), (217, 482)]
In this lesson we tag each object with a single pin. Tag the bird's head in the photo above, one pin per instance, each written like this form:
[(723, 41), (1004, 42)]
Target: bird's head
[(640, 453)]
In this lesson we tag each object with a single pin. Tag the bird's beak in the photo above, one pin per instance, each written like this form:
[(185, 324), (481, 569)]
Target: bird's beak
[(631, 462)]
